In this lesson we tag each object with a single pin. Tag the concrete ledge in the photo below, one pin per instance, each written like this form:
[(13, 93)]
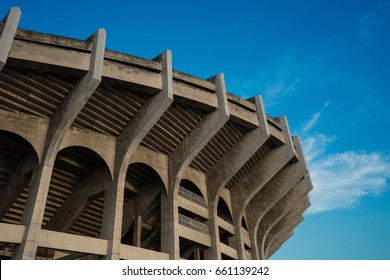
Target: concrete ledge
[(135, 253), (194, 235), (227, 250), (193, 207), (11, 233), (71, 242)]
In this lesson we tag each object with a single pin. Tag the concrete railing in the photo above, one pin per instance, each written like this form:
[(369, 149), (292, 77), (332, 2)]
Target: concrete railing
[(192, 197), (193, 224)]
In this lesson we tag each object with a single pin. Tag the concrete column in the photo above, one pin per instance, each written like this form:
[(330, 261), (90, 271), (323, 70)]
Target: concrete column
[(10, 27), (278, 243), (230, 163), (270, 194), (127, 143), (280, 209), (285, 226), (196, 253), (257, 178), (137, 231), (17, 181), (180, 159), (59, 125)]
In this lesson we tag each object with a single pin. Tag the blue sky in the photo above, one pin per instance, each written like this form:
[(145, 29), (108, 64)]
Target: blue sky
[(324, 64)]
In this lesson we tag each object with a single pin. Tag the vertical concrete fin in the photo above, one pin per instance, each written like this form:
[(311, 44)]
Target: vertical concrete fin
[(299, 151), (127, 143), (298, 192), (60, 122), (181, 158), (97, 55), (286, 224), (202, 134), (74, 102), (220, 91), (239, 154), (8, 33), (144, 120), (287, 134), (261, 114), (166, 72)]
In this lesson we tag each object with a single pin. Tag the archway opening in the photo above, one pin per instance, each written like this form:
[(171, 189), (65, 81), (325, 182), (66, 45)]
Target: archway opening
[(76, 194), (18, 159), (141, 225)]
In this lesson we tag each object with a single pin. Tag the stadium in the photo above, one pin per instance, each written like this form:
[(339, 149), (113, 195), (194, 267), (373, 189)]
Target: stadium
[(105, 155)]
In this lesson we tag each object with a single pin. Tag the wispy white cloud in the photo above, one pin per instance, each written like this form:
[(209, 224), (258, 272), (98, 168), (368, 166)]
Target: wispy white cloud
[(314, 119), (372, 18), (275, 91), (340, 179)]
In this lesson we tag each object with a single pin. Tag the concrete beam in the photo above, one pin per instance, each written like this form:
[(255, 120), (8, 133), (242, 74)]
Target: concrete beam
[(127, 143), (132, 135), (72, 242), (286, 224), (231, 162), (16, 182), (278, 244), (267, 197), (60, 123), (256, 179), (239, 154), (181, 158), (271, 193), (11, 233), (10, 27), (74, 102), (281, 208), (31, 128)]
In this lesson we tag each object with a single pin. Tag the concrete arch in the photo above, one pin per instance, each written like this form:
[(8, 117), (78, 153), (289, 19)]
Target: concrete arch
[(158, 162), (152, 169), (221, 204), (23, 138), (186, 182), (86, 176), (197, 178), (102, 158), (141, 221), (17, 172), (225, 195), (102, 145), (32, 129)]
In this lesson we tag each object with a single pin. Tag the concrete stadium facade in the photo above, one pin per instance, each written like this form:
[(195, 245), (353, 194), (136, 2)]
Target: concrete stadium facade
[(104, 155)]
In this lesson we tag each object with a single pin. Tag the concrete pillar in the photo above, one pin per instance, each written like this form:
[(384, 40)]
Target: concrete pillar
[(286, 224), (280, 209), (180, 159), (137, 231), (17, 181), (10, 27), (197, 253), (256, 179), (230, 163), (278, 243), (60, 123), (127, 143), (270, 194)]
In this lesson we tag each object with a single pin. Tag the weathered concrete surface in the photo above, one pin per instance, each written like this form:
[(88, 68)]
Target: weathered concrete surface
[(105, 124)]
